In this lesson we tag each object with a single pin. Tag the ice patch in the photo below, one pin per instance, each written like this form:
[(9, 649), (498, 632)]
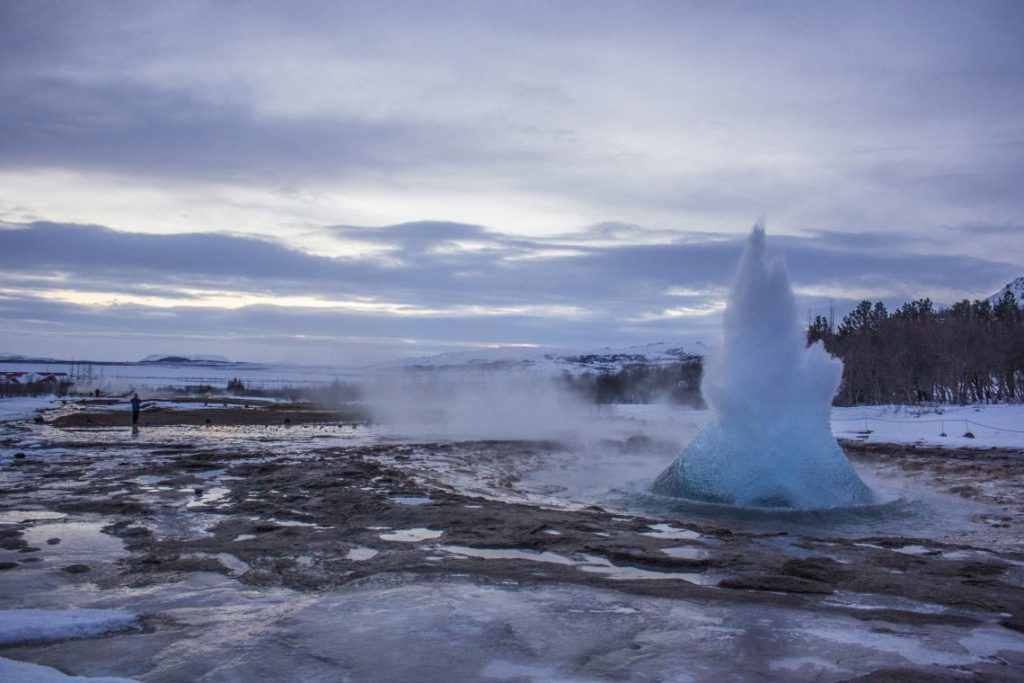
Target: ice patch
[(796, 664), (208, 496), (359, 554), (671, 533), (504, 670), (235, 566), (686, 552), (414, 535), (20, 516), (30, 625), (507, 554), (411, 500), (870, 601), (79, 541), (26, 672), (599, 565), (916, 550)]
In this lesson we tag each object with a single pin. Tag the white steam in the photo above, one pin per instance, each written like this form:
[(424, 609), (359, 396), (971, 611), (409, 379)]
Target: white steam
[(770, 443), (475, 405)]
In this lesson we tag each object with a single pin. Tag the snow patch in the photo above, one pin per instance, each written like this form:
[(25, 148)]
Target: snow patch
[(30, 625), (25, 672)]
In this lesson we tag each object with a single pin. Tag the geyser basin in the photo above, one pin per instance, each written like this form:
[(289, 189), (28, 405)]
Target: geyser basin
[(769, 443)]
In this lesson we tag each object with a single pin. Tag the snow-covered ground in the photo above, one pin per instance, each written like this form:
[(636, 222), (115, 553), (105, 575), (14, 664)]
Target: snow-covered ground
[(24, 407), (1000, 426), (26, 672), (38, 625), (33, 625), (121, 377)]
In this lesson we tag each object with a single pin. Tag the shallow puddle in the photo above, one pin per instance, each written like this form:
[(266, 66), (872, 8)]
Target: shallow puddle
[(411, 500), (360, 554), (669, 532), (602, 566), (507, 554), (686, 552), (23, 516), (414, 535), (79, 542)]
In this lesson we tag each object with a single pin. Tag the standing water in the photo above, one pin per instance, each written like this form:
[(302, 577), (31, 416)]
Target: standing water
[(769, 443)]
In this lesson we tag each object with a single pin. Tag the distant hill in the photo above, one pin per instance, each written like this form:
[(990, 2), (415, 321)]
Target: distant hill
[(1017, 287), (552, 361), (184, 360), (18, 358)]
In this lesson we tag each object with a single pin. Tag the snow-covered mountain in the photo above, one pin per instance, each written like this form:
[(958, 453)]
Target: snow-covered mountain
[(177, 360), (1017, 287), (552, 361), (20, 358)]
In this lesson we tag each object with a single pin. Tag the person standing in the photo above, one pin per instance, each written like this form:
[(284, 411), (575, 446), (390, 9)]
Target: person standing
[(136, 407)]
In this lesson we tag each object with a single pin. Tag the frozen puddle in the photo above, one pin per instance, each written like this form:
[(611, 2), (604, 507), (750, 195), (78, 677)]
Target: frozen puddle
[(79, 541), (869, 601), (414, 535), (916, 550), (235, 566), (360, 554), (207, 497), (507, 554), (411, 500), (587, 563), (671, 533), (686, 552), (292, 522), (604, 567), (22, 516)]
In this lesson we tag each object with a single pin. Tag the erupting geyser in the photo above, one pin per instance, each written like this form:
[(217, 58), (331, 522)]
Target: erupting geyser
[(769, 443)]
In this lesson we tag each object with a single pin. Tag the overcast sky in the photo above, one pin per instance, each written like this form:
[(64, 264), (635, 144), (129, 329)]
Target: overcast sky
[(348, 182)]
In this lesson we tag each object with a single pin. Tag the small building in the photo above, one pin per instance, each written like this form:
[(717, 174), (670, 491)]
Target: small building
[(31, 377)]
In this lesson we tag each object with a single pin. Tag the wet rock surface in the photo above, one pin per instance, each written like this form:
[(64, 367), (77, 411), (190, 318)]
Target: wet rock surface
[(989, 475), (308, 514)]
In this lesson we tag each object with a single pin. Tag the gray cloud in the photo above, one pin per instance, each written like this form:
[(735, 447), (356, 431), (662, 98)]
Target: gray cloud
[(882, 140), (513, 290), (842, 116)]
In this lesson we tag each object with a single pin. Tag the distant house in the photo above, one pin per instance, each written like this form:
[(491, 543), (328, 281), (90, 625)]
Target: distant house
[(32, 377)]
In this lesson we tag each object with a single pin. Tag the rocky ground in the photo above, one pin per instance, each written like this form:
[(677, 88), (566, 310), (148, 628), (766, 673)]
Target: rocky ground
[(326, 506)]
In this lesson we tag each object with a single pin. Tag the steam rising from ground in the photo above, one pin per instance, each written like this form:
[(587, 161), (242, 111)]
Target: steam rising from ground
[(476, 405), (770, 443)]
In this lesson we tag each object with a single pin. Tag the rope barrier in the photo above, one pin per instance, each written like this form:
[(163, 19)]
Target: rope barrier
[(917, 421), (998, 429)]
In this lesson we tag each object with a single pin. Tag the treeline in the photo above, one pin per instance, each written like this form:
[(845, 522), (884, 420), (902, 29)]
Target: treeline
[(325, 394), (639, 383), (970, 352)]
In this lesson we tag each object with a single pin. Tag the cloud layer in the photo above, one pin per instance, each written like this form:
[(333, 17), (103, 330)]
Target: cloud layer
[(215, 142), (419, 288), (523, 116)]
